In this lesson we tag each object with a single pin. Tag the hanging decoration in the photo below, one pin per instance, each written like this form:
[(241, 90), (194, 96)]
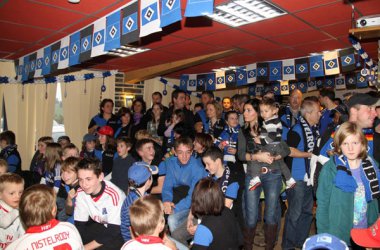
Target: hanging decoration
[(165, 92)]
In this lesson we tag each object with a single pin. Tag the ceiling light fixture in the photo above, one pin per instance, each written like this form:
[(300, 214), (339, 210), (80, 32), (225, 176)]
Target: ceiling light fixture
[(127, 50), (74, 1), (241, 12)]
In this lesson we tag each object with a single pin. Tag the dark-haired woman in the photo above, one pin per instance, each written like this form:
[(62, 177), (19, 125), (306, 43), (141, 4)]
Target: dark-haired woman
[(105, 117), (125, 116)]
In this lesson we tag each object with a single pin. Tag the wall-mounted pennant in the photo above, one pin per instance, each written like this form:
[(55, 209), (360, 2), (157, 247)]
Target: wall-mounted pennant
[(99, 38), (251, 73), (74, 49), (46, 66), (293, 85), (55, 49), (347, 60), (311, 85), (199, 8), (351, 81), (284, 87), (361, 81), (230, 79), (201, 82), (275, 71), (262, 72), (32, 65), (302, 68), (39, 63), (220, 80), (171, 12), (252, 90), (130, 30), (86, 43), (329, 81), (183, 82), (316, 66), (340, 82), (112, 31), (64, 53), (288, 71), (192, 83), (276, 87), (149, 17), (331, 63), (210, 81), (302, 86), (241, 76)]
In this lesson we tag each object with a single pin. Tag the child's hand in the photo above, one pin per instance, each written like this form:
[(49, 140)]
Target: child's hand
[(231, 150), (257, 140), (169, 243), (168, 207), (72, 193)]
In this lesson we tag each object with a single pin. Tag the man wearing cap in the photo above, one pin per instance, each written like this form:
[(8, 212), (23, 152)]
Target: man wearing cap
[(140, 180)]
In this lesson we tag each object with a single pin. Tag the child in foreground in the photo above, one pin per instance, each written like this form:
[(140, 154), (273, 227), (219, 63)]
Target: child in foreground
[(147, 220), (11, 188), (3, 167), (37, 212)]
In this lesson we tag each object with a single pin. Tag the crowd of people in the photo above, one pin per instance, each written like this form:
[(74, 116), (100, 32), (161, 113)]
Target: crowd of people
[(200, 176)]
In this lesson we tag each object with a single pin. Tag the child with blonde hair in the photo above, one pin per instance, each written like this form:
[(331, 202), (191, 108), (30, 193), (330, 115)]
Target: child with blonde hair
[(3, 166)]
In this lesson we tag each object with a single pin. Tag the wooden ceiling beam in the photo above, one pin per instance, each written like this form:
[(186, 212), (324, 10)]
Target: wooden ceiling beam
[(167, 68)]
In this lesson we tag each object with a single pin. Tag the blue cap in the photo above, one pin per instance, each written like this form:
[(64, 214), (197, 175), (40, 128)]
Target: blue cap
[(324, 241), (140, 172), (89, 137)]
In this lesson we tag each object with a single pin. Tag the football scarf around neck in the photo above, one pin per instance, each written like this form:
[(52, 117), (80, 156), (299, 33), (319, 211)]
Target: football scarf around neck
[(309, 141), (224, 179)]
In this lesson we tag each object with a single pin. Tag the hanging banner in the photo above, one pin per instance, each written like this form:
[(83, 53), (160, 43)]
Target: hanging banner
[(275, 71), (329, 81), (64, 53), (86, 43), (192, 82), (46, 62), (251, 73), (252, 90), (183, 82), (55, 49), (199, 8), (293, 85), (201, 82), (112, 31), (25, 72), (130, 31), (347, 60), (230, 78), (259, 89), (302, 68), (32, 64), (302, 86), (312, 85), (220, 80), (241, 76), (74, 49), (331, 63), (316, 66), (361, 81), (210, 82), (262, 72), (351, 81), (149, 17), (276, 88), (284, 87), (39, 63), (320, 83), (288, 72), (171, 12), (340, 82), (98, 38)]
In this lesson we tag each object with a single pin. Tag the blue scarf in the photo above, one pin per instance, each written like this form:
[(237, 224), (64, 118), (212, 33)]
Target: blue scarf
[(346, 182)]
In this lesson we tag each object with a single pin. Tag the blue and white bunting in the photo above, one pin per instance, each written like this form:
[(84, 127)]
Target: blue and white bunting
[(262, 71), (320, 83), (39, 63), (351, 81), (293, 85), (171, 12), (25, 72), (302, 86), (275, 71), (259, 89), (98, 38), (252, 90), (183, 82), (251, 73), (302, 68), (340, 82), (199, 8), (311, 85), (329, 81), (316, 66), (361, 81), (276, 88), (347, 60), (86, 43), (288, 71), (331, 63), (112, 31), (192, 82), (241, 76), (210, 82), (149, 17), (220, 80), (55, 51), (64, 53), (46, 61), (74, 49), (284, 85), (130, 26)]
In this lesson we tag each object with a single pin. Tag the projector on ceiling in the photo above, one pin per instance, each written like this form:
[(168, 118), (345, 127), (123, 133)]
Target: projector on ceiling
[(368, 21)]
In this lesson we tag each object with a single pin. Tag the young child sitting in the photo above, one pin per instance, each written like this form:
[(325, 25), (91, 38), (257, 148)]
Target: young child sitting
[(88, 147), (37, 212), (11, 188), (140, 180), (270, 139), (3, 167), (69, 176), (122, 163), (70, 150), (147, 220), (9, 151)]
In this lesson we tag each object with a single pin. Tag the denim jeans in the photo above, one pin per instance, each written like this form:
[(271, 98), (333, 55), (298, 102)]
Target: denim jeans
[(299, 215), (271, 183), (176, 219)]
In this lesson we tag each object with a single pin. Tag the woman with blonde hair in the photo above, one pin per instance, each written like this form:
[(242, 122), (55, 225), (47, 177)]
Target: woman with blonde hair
[(215, 123)]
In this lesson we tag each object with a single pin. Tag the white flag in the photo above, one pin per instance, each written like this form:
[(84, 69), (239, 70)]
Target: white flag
[(220, 79), (331, 63), (284, 86), (251, 73), (288, 72), (340, 82), (149, 17), (39, 63), (64, 53), (98, 37), (192, 83)]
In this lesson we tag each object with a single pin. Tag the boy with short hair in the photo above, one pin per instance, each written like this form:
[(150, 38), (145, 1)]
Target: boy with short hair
[(97, 207), (69, 176), (140, 180), (3, 166), (70, 150), (11, 188), (147, 223), (37, 212), (122, 163), (9, 151)]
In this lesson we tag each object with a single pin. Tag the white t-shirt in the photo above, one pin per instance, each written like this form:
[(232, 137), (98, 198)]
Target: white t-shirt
[(145, 243), (104, 209), (13, 229), (53, 235)]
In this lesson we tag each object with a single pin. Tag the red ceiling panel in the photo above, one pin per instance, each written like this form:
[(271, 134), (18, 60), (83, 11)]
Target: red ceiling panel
[(326, 14), (73, 27), (368, 7), (276, 26), (10, 46), (320, 46), (260, 45), (161, 42), (300, 37), (195, 27), (22, 33), (278, 54), (297, 5), (234, 38), (337, 29), (190, 48)]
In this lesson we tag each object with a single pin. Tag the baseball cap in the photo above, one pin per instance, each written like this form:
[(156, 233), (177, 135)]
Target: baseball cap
[(324, 241), (362, 99), (140, 172), (89, 137), (106, 130), (367, 237)]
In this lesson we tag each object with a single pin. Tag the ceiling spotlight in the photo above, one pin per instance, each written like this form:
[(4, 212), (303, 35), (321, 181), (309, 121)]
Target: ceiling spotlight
[(73, 1)]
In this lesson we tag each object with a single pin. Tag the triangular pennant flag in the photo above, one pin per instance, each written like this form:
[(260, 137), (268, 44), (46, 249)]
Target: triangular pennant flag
[(259, 89), (39, 63), (230, 79), (171, 12), (347, 60), (25, 72), (201, 82), (251, 73), (302, 68), (32, 65), (316, 66), (351, 81), (74, 49), (86, 43), (288, 72), (55, 50), (329, 81), (241, 76), (192, 83), (149, 17), (302, 86), (312, 85), (276, 87), (340, 82), (112, 31), (275, 71), (361, 81), (320, 83), (262, 72), (252, 90), (293, 85), (331, 63), (199, 8), (130, 31), (64, 53), (284, 87), (210, 81), (220, 80), (183, 82), (46, 63), (99, 37)]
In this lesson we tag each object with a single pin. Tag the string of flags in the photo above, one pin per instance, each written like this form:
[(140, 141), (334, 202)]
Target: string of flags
[(121, 27)]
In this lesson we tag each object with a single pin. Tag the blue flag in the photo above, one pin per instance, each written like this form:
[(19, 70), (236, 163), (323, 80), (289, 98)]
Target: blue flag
[(262, 72), (210, 81), (46, 61), (293, 85), (86, 43), (350, 81), (276, 87), (25, 72), (275, 71), (302, 68), (171, 12), (112, 31), (55, 50), (252, 90), (316, 66), (241, 76), (201, 82), (361, 81), (347, 60), (302, 86), (131, 32), (230, 78), (330, 81), (320, 82), (183, 82), (199, 8), (74, 49)]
